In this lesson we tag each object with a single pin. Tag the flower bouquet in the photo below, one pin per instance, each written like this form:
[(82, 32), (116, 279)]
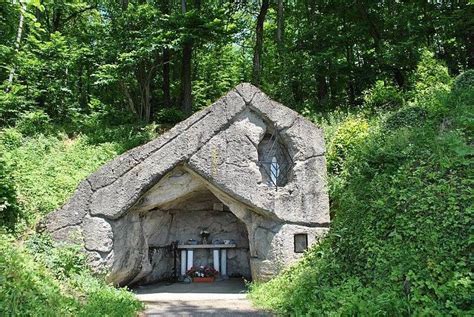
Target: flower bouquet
[(202, 274)]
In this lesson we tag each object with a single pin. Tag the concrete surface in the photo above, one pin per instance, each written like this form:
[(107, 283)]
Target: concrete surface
[(221, 298)]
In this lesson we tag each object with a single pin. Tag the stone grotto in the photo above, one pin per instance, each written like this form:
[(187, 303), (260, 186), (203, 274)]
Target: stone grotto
[(247, 170)]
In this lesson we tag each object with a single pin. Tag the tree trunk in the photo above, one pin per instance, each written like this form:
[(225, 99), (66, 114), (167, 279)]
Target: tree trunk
[(166, 78), (322, 89), (186, 98), (280, 24), (17, 44), (258, 50), (351, 81), (186, 86), (124, 4), (165, 66), (131, 103)]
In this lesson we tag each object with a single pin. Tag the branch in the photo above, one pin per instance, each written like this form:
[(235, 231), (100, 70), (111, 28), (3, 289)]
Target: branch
[(77, 13)]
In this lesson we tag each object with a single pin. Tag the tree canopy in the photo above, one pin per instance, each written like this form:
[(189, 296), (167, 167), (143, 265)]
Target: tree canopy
[(161, 59)]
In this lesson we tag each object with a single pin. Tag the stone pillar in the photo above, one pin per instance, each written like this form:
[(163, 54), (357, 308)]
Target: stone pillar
[(190, 261), (224, 263), (216, 261), (183, 262)]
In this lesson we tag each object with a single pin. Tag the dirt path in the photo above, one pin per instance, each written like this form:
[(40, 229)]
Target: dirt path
[(201, 308), (223, 298)]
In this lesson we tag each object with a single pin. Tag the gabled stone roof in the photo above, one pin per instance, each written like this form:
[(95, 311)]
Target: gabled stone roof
[(116, 186)]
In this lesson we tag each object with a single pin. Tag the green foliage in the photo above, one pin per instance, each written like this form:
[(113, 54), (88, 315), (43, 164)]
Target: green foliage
[(383, 96), (351, 133), (10, 211), (412, 116), (431, 77), (40, 167), (464, 81), (33, 122), (170, 116), (13, 104), (224, 65), (27, 288), (41, 280), (62, 261), (400, 239), (47, 168)]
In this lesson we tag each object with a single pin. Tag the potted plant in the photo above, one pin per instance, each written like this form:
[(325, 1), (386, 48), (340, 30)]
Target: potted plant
[(202, 274)]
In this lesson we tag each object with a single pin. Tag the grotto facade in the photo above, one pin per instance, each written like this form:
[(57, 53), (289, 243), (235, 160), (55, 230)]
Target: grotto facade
[(247, 170)]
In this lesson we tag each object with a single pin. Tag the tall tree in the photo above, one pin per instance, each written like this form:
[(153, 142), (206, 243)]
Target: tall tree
[(19, 34), (186, 64), (258, 48), (166, 60)]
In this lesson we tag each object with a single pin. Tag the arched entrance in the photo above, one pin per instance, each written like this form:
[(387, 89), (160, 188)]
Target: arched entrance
[(177, 210), (182, 221)]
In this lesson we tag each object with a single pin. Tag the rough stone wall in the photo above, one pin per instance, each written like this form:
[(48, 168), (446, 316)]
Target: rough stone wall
[(163, 227), (218, 149)]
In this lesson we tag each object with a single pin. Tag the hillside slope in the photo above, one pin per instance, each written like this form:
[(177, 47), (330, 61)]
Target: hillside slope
[(401, 190)]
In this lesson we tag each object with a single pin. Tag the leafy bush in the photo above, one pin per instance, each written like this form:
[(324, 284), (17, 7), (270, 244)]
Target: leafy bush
[(170, 115), (464, 81), (431, 78), (27, 288), (33, 122), (63, 261), (412, 116), (10, 211), (349, 134), (13, 104), (383, 96)]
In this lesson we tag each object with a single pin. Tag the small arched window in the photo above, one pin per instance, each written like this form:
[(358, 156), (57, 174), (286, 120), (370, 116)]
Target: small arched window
[(274, 160)]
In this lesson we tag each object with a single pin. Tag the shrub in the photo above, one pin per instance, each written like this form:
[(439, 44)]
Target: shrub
[(431, 77), (10, 138), (464, 81), (33, 284), (383, 96), (170, 115), (33, 122), (348, 135), (10, 211), (13, 104), (412, 116), (63, 261), (27, 288)]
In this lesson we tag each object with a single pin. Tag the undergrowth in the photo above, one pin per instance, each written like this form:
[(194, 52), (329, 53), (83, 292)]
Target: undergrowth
[(41, 165)]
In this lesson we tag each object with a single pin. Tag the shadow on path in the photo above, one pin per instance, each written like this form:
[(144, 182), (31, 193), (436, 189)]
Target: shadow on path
[(221, 298)]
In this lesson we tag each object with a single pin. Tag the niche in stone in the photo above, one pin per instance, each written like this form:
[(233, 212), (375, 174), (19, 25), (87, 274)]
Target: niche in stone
[(274, 160), (301, 242), (189, 209)]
